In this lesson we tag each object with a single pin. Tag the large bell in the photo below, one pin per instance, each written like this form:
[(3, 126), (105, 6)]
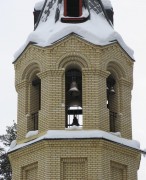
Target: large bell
[(74, 91), (74, 102)]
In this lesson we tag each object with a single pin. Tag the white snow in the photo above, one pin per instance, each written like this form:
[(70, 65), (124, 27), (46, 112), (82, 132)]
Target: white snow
[(81, 134), (74, 128), (13, 144), (31, 133), (39, 5), (118, 134), (144, 154), (85, 13), (97, 30), (107, 4)]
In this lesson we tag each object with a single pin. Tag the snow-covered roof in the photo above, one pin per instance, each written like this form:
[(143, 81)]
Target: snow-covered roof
[(97, 29), (79, 134), (39, 5), (107, 4)]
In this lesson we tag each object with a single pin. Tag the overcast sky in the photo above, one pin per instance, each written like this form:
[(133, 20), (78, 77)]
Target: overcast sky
[(16, 17)]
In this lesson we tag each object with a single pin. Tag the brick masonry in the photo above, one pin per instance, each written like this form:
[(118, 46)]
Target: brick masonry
[(91, 159)]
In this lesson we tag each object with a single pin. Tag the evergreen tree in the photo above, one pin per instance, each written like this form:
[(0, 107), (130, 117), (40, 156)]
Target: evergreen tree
[(6, 139)]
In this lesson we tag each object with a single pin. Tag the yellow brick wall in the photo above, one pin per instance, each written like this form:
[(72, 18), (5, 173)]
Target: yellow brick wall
[(90, 159), (73, 168)]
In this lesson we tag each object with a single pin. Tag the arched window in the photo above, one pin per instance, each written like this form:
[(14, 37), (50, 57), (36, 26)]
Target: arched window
[(32, 95), (73, 97), (111, 102), (114, 96), (35, 100)]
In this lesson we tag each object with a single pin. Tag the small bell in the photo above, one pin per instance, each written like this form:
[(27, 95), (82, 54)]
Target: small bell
[(112, 91), (75, 122)]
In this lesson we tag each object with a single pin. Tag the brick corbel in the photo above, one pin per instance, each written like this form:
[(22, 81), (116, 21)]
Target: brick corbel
[(89, 71), (52, 73), (21, 85), (124, 82)]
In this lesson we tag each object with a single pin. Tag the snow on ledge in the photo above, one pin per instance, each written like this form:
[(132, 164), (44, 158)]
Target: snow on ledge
[(31, 133), (74, 128), (82, 134), (118, 134), (13, 144)]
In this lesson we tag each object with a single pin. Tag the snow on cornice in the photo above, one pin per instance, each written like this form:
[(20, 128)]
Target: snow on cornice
[(80, 134), (96, 30), (39, 5)]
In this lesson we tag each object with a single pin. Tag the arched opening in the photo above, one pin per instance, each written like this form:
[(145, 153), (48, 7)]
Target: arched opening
[(35, 101), (114, 97), (111, 101), (73, 97), (32, 95)]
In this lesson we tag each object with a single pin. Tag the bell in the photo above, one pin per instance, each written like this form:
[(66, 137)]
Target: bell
[(74, 91), (112, 91), (75, 102), (75, 122)]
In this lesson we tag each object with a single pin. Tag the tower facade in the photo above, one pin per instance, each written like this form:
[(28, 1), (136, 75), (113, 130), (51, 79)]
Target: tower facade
[(74, 80)]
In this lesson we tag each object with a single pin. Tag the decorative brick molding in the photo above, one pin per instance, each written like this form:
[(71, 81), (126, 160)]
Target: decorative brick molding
[(73, 58), (118, 171), (22, 85), (74, 168), (116, 68), (30, 70), (30, 172)]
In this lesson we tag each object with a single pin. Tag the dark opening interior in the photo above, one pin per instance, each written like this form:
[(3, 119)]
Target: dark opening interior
[(36, 82), (73, 8), (36, 100), (110, 82)]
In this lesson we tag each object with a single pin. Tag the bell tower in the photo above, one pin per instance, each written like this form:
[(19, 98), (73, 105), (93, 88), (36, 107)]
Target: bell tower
[(74, 80)]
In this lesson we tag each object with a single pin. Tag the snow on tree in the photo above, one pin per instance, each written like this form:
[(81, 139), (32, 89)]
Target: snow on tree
[(6, 139)]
